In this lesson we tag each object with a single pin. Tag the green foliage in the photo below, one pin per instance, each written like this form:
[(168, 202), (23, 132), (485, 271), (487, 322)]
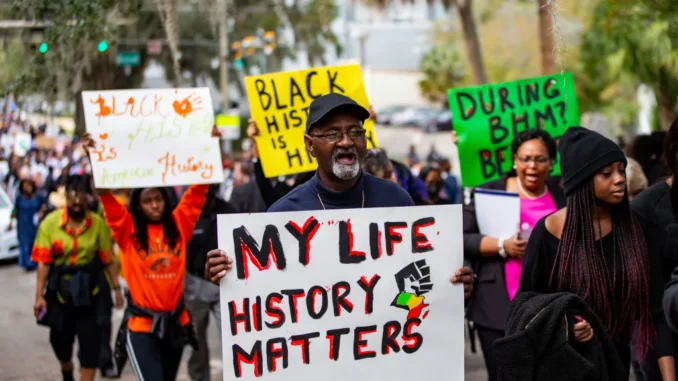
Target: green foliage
[(442, 68), (12, 62)]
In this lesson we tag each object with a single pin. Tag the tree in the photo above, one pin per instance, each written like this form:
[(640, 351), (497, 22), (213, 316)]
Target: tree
[(546, 39), (469, 28), (635, 39), (442, 68), (11, 61)]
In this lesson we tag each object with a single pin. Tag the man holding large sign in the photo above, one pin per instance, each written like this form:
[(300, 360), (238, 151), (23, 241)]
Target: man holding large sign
[(280, 102), (487, 117), (335, 137)]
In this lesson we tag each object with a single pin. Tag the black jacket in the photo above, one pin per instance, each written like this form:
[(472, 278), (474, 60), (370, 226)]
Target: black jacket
[(489, 302), (205, 236), (539, 343)]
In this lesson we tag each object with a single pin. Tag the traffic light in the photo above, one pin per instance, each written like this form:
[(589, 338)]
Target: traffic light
[(103, 46), (269, 42), (43, 47), (236, 50)]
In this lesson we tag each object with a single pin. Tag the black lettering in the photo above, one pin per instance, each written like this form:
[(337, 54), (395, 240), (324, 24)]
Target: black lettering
[(347, 254), (503, 99), (340, 301), (389, 336), (550, 89), (273, 353), (561, 110), (370, 139), (466, 112), (499, 158), (334, 337), (392, 236), (294, 115), (256, 314), (278, 106), (295, 155), (295, 91), (420, 243), (414, 340), (272, 122), (486, 163), (497, 132), (332, 77), (247, 248), (311, 296), (304, 235), (264, 97), (375, 241), (368, 286), (254, 357), (273, 310), (547, 116), (531, 93), (309, 78), (488, 108), (281, 141), (242, 317), (517, 120), (305, 342), (359, 344), (292, 296)]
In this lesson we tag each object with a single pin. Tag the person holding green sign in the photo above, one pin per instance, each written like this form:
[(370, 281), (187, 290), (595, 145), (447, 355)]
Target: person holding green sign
[(498, 260)]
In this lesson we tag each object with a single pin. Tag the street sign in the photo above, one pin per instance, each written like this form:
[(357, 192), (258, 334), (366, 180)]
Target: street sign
[(129, 58), (229, 126), (154, 47)]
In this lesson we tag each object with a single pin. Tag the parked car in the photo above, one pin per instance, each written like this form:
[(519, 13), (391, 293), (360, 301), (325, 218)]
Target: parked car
[(413, 117), (9, 243), (441, 122), (385, 116)]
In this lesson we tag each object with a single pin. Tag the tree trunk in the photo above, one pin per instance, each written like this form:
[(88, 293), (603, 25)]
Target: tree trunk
[(546, 39), (475, 55)]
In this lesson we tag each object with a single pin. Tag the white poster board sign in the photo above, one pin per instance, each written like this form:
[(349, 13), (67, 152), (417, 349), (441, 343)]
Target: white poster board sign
[(491, 203), (358, 294), (152, 137), (22, 143)]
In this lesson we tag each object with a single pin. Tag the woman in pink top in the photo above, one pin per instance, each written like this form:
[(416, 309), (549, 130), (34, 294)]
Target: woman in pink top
[(498, 261)]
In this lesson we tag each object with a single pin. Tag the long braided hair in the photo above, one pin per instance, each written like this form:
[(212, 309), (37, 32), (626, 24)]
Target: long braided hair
[(580, 266)]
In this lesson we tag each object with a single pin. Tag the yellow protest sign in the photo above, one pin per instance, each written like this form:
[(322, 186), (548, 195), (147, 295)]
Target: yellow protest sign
[(279, 104)]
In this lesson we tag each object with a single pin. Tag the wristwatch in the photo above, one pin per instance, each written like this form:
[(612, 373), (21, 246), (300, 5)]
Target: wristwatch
[(500, 246)]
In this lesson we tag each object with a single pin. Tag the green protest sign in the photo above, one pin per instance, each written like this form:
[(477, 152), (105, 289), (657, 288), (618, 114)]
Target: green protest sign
[(487, 117)]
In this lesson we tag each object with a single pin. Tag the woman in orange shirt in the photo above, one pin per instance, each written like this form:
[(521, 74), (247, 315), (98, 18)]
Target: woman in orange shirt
[(153, 238)]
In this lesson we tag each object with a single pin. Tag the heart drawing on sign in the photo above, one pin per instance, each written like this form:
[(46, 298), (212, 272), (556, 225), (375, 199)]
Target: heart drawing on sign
[(103, 136)]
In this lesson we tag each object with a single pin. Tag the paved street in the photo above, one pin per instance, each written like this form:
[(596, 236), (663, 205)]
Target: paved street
[(26, 354)]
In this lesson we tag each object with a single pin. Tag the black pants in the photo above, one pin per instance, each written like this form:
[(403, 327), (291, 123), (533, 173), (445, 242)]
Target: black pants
[(487, 338), (151, 358), (83, 324)]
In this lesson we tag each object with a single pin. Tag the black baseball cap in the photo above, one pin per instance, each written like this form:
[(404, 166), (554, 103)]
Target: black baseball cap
[(326, 104)]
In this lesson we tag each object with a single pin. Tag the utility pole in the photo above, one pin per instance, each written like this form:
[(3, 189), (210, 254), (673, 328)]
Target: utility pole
[(222, 22)]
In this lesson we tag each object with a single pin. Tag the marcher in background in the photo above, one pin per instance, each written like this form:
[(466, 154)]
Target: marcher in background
[(377, 164), (450, 182), (336, 138), (636, 181), (498, 261), (432, 178), (28, 207), (647, 151), (655, 209), (594, 248), (152, 236), (72, 249), (202, 297)]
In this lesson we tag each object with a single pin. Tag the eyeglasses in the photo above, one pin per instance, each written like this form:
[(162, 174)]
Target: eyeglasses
[(331, 137), (536, 160)]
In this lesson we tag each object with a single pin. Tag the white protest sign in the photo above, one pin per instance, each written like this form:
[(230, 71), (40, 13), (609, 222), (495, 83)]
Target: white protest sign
[(22, 143), (152, 137), (358, 294)]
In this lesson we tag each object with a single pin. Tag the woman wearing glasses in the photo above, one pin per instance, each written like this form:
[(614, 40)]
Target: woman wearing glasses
[(498, 260)]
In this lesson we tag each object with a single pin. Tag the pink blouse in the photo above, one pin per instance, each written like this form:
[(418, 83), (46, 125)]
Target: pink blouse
[(531, 211)]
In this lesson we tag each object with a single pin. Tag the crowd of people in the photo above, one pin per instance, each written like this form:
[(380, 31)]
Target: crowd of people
[(594, 243)]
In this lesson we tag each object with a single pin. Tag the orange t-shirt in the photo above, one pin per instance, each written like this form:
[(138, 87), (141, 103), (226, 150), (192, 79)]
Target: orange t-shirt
[(155, 278)]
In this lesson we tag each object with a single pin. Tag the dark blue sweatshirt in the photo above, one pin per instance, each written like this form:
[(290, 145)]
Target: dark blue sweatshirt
[(378, 194)]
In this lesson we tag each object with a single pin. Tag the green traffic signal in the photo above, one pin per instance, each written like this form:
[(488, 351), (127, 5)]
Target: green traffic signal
[(43, 48), (103, 46)]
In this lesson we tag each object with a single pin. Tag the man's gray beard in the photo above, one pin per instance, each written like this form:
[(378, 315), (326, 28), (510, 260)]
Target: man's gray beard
[(343, 171)]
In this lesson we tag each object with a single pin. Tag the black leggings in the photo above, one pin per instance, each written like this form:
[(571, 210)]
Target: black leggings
[(151, 358), (487, 338)]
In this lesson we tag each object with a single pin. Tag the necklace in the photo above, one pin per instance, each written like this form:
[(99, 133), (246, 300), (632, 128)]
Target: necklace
[(527, 196), (323, 205)]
